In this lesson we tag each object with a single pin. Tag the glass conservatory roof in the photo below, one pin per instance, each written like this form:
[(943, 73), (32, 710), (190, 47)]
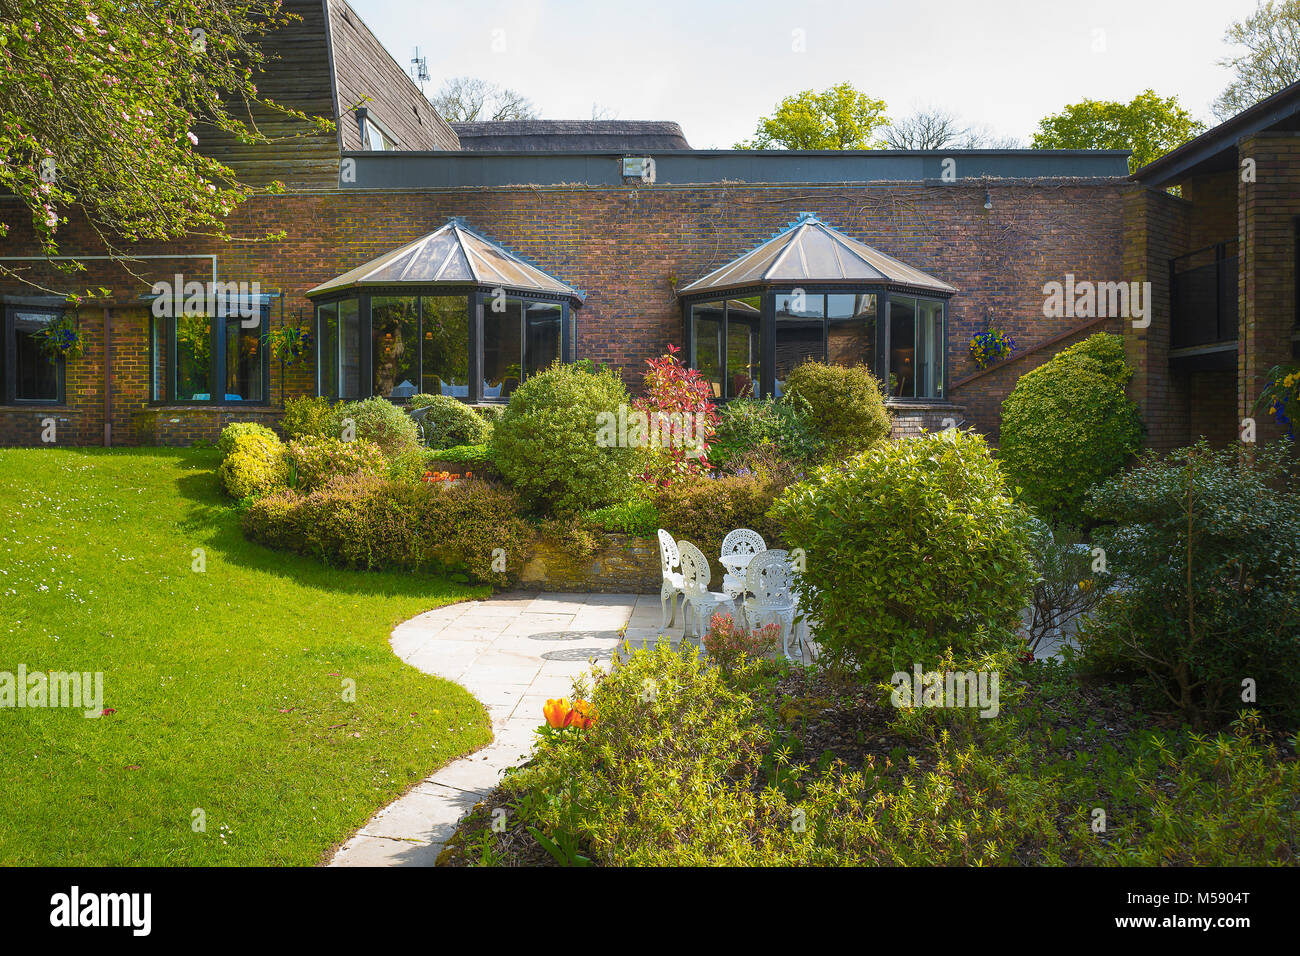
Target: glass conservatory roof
[(809, 251), (454, 255)]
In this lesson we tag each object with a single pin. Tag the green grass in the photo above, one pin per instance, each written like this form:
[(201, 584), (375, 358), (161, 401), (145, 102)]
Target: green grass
[(227, 685)]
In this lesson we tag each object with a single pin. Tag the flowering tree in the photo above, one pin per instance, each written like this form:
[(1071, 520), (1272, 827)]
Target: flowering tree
[(99, 107), (679, 405)]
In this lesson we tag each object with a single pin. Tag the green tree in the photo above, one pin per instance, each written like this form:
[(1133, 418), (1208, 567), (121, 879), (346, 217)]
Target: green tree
[(1271, 60), (1150, 126), (100, 108), (837, 118)]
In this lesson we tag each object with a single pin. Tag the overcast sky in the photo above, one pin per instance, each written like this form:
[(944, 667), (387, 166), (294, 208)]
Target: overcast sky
[(715, 66)]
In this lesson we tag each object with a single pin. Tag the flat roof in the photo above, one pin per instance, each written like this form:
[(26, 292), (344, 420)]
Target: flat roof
[(424, 169)]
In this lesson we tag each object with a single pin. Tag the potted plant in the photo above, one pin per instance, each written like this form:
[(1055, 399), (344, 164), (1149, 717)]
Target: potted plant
[(1281, 396), (991, 345), (63, 338)]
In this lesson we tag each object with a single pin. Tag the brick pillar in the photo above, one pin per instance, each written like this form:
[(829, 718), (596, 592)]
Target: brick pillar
[(1266, 287), (1155, 230)]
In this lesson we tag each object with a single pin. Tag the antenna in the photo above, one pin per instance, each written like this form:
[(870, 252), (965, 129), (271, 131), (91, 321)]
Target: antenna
[(420, 69)]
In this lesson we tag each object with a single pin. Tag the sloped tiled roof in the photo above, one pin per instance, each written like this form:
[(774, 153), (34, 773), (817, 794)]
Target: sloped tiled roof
[(809, 251), (570, 135), (453, 255)]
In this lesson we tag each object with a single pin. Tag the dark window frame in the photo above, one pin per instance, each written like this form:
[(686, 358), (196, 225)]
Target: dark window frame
[(767, 329), (216, 362), (476, 297), (9, 356)]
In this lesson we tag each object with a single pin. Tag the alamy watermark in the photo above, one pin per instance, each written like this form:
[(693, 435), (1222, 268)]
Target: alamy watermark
[(175, 297), (1085, 299), (53, 689), (976, 689), (634, 428)]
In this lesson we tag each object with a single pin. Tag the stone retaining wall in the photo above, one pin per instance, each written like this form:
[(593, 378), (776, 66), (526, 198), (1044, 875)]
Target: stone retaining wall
[(621, 564)]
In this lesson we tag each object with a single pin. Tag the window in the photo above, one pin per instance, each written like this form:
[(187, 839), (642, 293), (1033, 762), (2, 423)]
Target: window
[(426, 344), (377, 138), (445, 354), (915, 347), (800, 332), (394, 347), (708, 343), (220, 359), (899, 337), (743, 352), (29, 373)]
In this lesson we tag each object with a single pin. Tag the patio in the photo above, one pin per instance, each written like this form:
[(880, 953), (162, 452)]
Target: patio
[(512, 652)]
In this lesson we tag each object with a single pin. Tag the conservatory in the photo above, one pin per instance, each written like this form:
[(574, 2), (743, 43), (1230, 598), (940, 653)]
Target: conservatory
[(451, 313), (811, 292)]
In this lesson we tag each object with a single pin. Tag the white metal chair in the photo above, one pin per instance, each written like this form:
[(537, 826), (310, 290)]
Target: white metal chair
[(739, 543), (701, 603), (770, 581), (669, 560)]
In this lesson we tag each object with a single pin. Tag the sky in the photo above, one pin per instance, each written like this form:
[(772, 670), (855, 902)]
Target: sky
[(715, 67)]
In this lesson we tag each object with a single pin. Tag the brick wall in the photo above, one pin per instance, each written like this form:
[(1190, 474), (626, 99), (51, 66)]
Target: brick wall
[(628, 247), (1267, 212)]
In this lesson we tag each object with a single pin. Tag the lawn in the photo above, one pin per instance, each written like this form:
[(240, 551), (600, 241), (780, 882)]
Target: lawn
[(226, 685)]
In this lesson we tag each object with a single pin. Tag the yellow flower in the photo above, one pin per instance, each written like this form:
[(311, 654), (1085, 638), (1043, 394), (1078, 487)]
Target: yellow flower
[(1085, 586)]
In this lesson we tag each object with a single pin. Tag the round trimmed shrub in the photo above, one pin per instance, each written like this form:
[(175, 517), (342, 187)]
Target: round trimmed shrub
[(226, 443), (546, 442), (313, 461), (255, 467), (910, 548), (1067, 425), (449, 422), (747, 425), (380, 421), (843, 403), (306, 416)]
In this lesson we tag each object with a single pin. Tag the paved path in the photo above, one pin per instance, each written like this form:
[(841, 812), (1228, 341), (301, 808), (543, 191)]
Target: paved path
[(512, 652)]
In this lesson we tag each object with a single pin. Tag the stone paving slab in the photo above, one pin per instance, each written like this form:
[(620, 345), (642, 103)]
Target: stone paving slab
[(511, 652)]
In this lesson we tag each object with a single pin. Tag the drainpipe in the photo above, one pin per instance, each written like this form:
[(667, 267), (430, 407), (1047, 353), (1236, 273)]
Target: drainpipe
[(108, 378)]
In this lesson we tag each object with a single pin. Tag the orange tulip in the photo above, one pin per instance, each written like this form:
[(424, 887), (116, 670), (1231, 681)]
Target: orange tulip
[(583, 716), (558, 712)]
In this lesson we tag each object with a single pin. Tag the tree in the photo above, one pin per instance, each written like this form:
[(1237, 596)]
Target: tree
[(836, 118), (98, 111), (465, 99), (936, 128), (1149, 126), (1271, 62)]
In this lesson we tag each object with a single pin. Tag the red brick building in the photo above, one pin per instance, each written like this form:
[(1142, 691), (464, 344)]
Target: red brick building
[(593, 240)]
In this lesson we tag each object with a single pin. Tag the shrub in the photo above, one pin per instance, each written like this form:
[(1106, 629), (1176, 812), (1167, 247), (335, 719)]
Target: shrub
[(844, 405), (747, 426), (463, 454), (450, 422), (1066, 586), (546, 442), (1209, 556), (256, 466), (380, 421), (366, 522), (727, 642), (226, 443), (704, 510), (637, 517), (682, 418), (308, 417), (313, 461), (910, 548), (1067, 425)]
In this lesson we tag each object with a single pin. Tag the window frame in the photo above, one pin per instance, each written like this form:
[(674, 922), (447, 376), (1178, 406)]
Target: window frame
[(768, 325), (9, 357), (477, 298), (216, 362)]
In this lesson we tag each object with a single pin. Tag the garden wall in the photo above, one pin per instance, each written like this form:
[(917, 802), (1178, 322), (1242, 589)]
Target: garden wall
[(620, 564)]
